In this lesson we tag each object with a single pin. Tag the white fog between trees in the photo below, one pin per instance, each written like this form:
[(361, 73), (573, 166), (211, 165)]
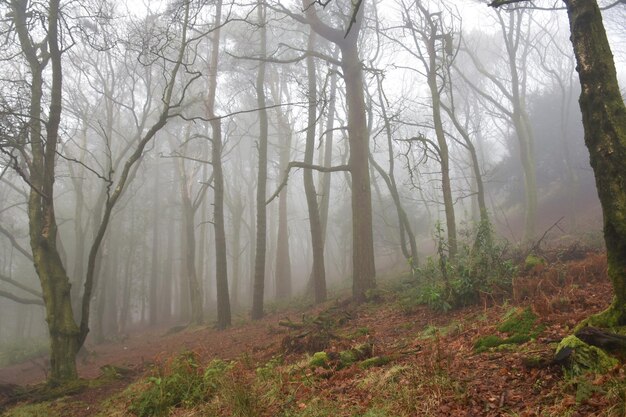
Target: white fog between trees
[(193, 161)]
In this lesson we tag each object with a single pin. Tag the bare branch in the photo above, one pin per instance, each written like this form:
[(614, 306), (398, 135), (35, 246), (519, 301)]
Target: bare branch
[(21, 300), (15, 243), (298, 164), (21, 286)]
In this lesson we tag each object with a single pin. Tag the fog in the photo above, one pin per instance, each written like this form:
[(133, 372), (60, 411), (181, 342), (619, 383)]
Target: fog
[(454, 94)]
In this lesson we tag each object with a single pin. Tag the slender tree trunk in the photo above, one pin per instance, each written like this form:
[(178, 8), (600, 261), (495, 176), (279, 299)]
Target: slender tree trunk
[(261, 217), (168, 280), (283, 258), (521, 123), (221, 262), (237, 215), (195, 295), (317, 242), (604, 120), (444, 158), (155, 268), (79, 228), (390, 179), (324, 200)]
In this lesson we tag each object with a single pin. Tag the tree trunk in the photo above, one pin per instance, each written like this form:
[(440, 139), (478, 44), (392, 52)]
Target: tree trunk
[(189, 258), (221, 262), (328, 150), (64, 333), (444, 158), (363, 266), (283, 258), (155, 268), (317, 243), (404, 224), (604, 121), (261, 217), (165, 294)]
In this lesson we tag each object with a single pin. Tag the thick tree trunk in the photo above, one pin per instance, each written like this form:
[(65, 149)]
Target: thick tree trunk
[(364, 269), (604, 121), (64, 333), (55, 284), (363, 266)]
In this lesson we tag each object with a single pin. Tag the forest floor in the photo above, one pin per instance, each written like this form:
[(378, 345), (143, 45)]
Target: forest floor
[(381, 358)]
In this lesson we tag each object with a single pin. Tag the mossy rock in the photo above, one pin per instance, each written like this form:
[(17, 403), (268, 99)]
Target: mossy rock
[(519, 323), (374, 362), (319, 360), (356, 354), (585, 358)]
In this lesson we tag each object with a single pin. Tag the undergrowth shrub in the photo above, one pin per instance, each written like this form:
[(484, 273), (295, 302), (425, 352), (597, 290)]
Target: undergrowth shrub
[(482, 268), (181, 383)]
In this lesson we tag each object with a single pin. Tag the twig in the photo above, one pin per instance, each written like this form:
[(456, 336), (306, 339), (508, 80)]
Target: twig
[(538, 243)]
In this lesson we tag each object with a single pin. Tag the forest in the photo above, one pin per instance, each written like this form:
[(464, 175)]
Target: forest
[(176, 165)]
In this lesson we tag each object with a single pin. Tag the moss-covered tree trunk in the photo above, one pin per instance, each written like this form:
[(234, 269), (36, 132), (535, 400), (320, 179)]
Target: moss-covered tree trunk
[(604, 121), (55, 284)]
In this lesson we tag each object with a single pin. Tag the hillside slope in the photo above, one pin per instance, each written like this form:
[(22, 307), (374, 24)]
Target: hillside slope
[(384, 358)]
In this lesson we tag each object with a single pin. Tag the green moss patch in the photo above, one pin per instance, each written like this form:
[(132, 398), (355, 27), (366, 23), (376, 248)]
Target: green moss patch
[(319, 359), (520, 326), (374, 361)]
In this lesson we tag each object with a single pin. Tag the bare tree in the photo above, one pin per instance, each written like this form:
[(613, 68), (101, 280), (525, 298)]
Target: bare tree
[(44, 59)]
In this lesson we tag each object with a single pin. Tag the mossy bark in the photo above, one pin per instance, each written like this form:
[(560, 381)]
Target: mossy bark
[(604, 121), (55, 285)]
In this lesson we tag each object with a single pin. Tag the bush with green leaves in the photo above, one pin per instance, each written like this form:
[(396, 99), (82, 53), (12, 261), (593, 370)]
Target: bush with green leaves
[(480, 267)]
